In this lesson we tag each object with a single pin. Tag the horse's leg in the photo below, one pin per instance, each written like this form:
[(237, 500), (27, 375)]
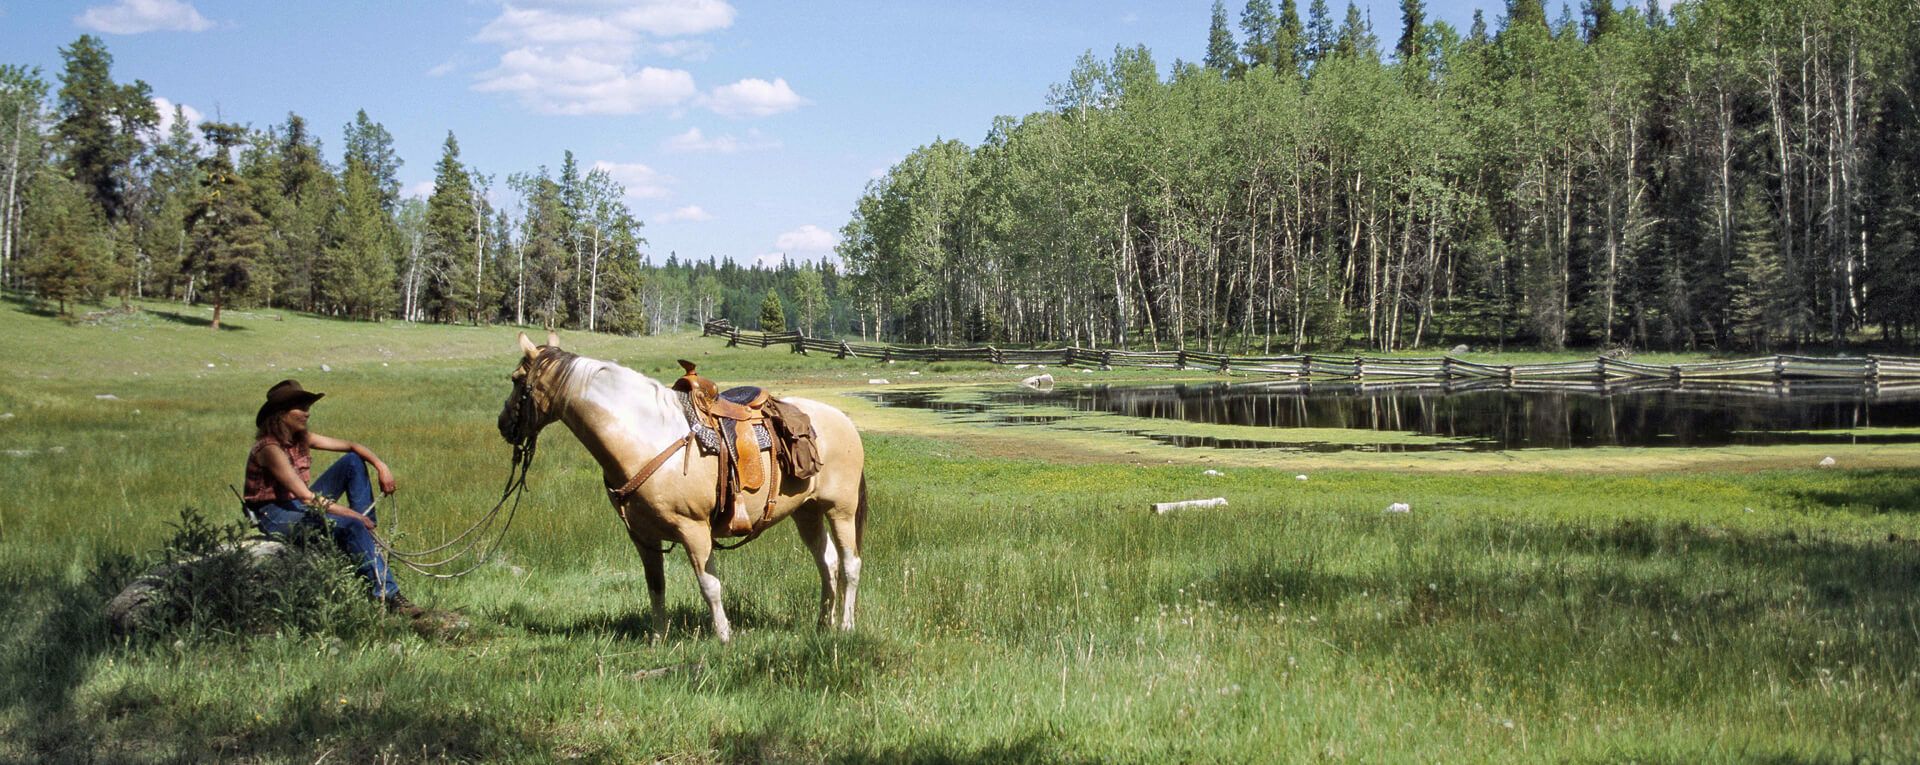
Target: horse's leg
[(700, 555), (846, 536), (825, 558), (654, 560)]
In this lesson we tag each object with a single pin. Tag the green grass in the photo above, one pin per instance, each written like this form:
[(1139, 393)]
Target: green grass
[(1013, 609)]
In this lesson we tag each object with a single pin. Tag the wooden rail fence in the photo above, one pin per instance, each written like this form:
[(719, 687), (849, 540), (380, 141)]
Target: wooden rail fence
[(1315, 366)]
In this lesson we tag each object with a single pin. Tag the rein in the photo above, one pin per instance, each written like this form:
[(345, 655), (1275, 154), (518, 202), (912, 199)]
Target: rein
[(523, 451)]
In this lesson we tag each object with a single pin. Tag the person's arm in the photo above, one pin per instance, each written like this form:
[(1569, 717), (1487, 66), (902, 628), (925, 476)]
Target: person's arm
[(329, 443), (281, 468)]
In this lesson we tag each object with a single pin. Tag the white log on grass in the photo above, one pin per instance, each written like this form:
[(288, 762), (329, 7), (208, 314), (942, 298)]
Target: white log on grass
[(1162, 508)]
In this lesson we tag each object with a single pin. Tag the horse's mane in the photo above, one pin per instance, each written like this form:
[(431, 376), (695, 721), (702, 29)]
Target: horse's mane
[(572, 373)]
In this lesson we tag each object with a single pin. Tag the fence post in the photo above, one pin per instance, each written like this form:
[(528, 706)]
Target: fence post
[(845, 350), (800, 342), (733, 340), (994, 354), (887, 355), (1106, 359), (1779, 367), (1600, 368), (1873, 368), (1306, 366), (1225, 363), (1066, 359), (1359, 368), (1446, 368), (1180, 359)]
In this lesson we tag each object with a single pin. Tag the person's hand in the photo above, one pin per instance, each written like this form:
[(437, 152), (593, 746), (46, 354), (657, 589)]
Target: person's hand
[(341, 512), (387, 484)]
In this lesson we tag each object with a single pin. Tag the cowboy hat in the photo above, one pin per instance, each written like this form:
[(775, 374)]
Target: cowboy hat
[(283, 396)]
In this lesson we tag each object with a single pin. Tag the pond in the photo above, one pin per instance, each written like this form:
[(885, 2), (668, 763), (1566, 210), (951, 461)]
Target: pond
[(1440, 417)]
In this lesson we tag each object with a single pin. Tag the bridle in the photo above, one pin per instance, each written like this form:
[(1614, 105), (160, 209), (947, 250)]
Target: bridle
[(523, 432)]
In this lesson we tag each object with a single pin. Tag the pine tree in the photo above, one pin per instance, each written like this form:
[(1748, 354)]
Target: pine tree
[(1220, 48), (71, 247), (355, 275), (229, 235), (100, 123), (446, 291), (1759, 304), (1412, 32), (1261, 28), (773, 317)]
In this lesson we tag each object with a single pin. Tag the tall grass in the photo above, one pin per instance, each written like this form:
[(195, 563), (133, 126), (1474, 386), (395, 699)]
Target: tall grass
[(1013, 609)]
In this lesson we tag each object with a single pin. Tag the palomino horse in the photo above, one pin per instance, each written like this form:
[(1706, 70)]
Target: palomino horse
[(627, 420)]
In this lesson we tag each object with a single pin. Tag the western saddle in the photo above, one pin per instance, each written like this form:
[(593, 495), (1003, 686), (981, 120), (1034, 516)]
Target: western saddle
[(738, 425)]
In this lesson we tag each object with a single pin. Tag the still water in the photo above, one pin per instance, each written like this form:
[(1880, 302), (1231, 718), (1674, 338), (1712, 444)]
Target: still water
[(1471, 417)]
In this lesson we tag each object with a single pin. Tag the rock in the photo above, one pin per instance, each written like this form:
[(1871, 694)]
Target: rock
[(6, 416), (1300, 477), (915, 372), (325, 368), (1211, 471), (106, 397), (1827, 462), (1086, 371), (1039, 382), (1461, 348), (1399, 507), (1021, 366), (133, 608), (877, 381)]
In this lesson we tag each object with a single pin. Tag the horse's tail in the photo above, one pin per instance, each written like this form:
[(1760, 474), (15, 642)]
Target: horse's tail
[(860, 515)]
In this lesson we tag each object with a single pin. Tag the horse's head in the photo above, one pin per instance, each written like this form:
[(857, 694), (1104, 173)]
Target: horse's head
[(530, 406)]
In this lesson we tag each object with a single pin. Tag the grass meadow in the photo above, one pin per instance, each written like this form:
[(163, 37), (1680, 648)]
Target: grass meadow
[(1019, 603)]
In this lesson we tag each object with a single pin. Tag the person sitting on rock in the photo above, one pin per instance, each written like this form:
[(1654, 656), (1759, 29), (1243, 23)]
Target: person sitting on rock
[(280, 488)]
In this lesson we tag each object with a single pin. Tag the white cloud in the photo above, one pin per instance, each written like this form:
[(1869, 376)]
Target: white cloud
[(132, 17), (165, 108), (690, 213), (577, 83), (753, 97), (571, 57), (807, 240), (676, 18), (695, 142), (443, 69), (420, 190), (641, 182)]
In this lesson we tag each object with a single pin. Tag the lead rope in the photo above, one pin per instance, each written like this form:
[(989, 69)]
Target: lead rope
[(516, 481)]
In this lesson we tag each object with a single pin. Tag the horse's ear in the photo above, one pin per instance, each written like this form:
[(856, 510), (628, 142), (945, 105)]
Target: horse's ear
[(527, 346), (553, 339)]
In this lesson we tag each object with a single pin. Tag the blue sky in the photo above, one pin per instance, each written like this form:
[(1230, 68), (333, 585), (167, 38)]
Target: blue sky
[(740, 130)]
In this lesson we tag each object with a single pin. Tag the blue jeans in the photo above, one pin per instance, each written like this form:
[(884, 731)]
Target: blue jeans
[(346, 478)]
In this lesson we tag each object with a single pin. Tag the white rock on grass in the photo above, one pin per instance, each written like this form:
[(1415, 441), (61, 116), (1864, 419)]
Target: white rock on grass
[(877, 381), (106, 397), (1399, 507), (1021, 366), (1827, 462), (1211, 471), (1039, 382), (914, 372), (325, 368), (1300, 477)]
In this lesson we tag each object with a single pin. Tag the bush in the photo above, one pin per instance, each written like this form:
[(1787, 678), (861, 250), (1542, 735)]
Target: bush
[(209, 584)]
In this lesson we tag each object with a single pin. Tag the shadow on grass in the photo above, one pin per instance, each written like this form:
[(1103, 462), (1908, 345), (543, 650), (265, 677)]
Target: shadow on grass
[(195, 321), (636, 622), (768, 746), (57, 635), (1884, 491)]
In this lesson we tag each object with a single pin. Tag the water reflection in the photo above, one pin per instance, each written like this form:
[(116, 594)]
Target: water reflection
[(1481, 415)]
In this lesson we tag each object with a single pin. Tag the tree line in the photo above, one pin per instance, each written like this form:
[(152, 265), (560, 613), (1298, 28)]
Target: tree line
[(1727, 174), (97, 203)]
